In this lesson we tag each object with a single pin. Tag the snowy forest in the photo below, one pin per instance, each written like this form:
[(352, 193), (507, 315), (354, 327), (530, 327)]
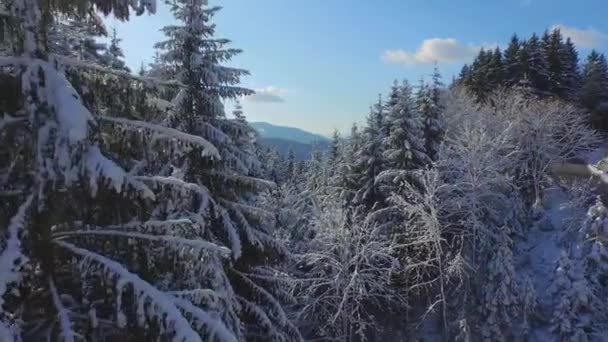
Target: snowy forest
[(134, 207)]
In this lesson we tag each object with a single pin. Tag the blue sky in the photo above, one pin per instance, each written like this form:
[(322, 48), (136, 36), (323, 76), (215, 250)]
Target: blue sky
[(320, 64)]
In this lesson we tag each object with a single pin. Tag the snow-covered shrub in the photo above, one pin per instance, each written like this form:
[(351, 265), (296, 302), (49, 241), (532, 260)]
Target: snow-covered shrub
[(347, 284)]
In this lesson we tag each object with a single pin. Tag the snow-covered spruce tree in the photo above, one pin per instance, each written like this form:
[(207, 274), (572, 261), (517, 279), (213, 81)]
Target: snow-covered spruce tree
[(370, 162), (343, 184), (82, 271), (594, 87), (571, 77), (229, 187), (403, 145), (594, 233), (334, 152), (430, 106), (114, 57), (534, 65), (528, 300), (316, 173), (562, 64), (499, 293), (347, 286), (575, 303), (512, 64)]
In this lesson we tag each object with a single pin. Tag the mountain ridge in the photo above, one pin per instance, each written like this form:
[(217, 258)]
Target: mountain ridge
[(268, 130), (283, 139)]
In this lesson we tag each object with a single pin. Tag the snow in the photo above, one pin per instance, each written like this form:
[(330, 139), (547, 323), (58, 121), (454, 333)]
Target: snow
[(208, 148), (538, 256), (11, 258), (162, 305), (195, 245), (74, 63), (6, 335), (9, 120), (64, 320), (202, 318), (72, 116), (596, 155), (98, 166)]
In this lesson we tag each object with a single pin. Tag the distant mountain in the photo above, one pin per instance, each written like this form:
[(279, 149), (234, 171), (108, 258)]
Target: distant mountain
[(285, 138), (300, 150), (267, 130)]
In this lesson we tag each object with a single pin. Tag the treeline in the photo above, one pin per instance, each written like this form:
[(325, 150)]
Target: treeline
[(547, 66)]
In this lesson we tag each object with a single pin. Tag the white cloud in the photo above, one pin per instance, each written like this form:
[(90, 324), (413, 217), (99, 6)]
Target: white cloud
[(268, 94), (441, 50), (582, 37)]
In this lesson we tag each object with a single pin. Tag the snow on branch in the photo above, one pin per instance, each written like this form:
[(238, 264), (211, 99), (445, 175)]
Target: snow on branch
[(203, 319), (268, 299), (208, 148), (176, 182), (194, 245), (247, 209), (74, 63), (97, 166), (9, 120), (162, 308), (153, 225), (72, 116), (64, 320), (6, 335), (253, 182), (197, 296), (13, 60), (11, 258)]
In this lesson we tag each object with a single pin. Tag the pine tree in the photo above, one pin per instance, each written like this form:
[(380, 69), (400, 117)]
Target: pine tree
[(594, 88), (344, 181), (499, 298), (193, 54), (430, 107), (512, 63), (290, 166), (113, 56), (553, 46), (334, 150), (573, 299), (404, 144), (369, 160), (110, 265), (534, 65), (495, 72), (571, 74), (478, 81)]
